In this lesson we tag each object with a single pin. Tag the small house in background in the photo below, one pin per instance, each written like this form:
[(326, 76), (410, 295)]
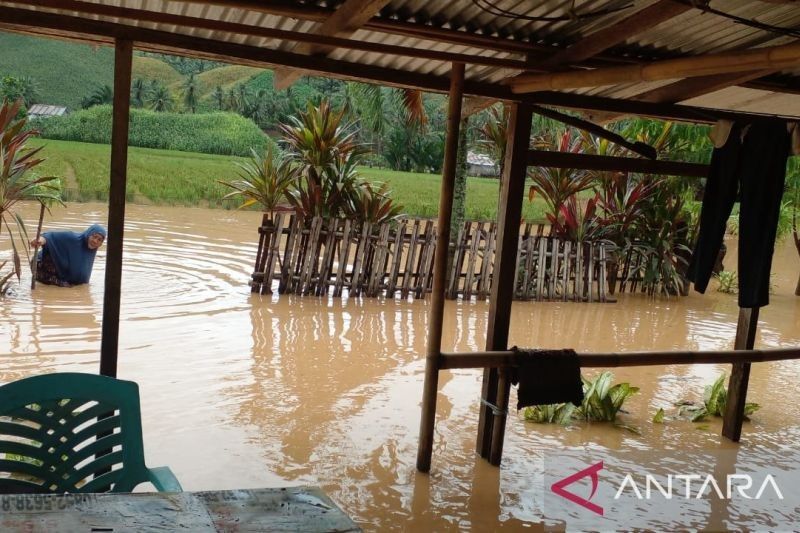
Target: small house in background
[(481, 165), (46, 111)]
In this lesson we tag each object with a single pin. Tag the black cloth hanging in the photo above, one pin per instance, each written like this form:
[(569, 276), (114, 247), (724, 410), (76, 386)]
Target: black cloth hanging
[(751, 165), (546, 377)]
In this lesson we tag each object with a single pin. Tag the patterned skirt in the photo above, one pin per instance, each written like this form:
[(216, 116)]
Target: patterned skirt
[(46, 271)]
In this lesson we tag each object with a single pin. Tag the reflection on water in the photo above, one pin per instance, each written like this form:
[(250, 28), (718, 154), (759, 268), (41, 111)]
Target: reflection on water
[(244, 390)]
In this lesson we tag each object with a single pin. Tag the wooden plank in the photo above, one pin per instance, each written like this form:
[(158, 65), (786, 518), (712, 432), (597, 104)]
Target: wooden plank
[(477, 236), (518, 290), (258, 268), (311, 257), (274, 253), (428, 250), (326, 267), (348, 17), (288, 255), (543, 158), (109, 342), (768, 57), (487, 264), (555, 245), (458, 249), (566, 274), (434, 339), (360, 258), (603, 282), (408, 272), (495, 386), (344, 256), (379, 261), (733, 418), (399, 245), (613, 34), (542, 268), (590, 263)]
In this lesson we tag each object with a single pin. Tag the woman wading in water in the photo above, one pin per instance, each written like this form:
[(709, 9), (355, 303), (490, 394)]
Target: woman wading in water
[(67, 257)]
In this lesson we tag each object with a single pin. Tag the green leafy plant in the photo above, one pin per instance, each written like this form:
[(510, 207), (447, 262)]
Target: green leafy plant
[(728, 282), (369, 204), (559, 413), (715, 397), (265, 180), (18, 183), (601, 401)]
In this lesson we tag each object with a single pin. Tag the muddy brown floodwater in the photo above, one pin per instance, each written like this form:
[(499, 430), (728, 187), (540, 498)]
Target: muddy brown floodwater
[(242, 390)]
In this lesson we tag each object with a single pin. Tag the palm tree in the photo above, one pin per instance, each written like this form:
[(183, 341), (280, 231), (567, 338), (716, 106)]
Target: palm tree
[(138, 92), (160, 99), (190, 93), (219, 98), (101, 95), (18, 183)]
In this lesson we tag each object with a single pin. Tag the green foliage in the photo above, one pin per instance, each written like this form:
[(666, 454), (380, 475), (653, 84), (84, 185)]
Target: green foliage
[(64, 71), (264, 180), (601, 401), (715, 398), (212, 133), (19, 183), (155, 68), (728, 282), (180, 64), (159, 98), (560, 413), (13, 88), (658, 418), (371, 204), (102, 95)]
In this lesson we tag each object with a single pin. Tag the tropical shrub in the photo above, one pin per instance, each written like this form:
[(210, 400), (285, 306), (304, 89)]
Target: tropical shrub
[(324, 153), (728, 282), (18, 183), (715, 397), (264, 180), (601, 401), (210, 133), (376, 206), (578, 221)]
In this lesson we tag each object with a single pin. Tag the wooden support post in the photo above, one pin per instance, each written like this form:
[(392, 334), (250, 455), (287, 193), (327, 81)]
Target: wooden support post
[(123, 58), (431, 385), (492, 423), (740, 374)]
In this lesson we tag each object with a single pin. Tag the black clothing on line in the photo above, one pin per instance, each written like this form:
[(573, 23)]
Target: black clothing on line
[(754, 167), (546, 377)]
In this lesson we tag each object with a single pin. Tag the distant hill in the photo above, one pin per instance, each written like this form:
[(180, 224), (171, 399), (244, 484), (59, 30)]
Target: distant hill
[(149, 68), (65, 72)]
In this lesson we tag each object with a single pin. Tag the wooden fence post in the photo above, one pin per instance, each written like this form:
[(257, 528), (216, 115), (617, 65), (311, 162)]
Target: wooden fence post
[(740, 374)]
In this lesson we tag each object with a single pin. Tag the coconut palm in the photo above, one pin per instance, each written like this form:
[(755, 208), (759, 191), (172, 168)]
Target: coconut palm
[(100, 96), (138, 92), (18, 182), (190, 93), (160, 99), (219, 98)]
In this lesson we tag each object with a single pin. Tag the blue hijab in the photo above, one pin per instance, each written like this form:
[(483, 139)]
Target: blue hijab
[(71, 253)]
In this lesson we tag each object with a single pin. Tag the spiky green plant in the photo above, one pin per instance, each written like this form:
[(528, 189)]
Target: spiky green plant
[(18, 183), (558, 413), (265, 179), (715, 398), (376, 206), (601, 401), (728, 282)]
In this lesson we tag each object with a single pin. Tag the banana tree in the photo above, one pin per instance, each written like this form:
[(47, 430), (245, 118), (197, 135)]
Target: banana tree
[(19, 183)]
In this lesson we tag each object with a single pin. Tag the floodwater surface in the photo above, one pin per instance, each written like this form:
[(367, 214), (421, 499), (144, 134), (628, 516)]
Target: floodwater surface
[(242, 390)]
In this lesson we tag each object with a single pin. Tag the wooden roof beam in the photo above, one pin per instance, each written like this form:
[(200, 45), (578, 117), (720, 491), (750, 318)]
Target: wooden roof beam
[(188, 23), (767, 58), (342, 23), (687, 89), (616, 33)]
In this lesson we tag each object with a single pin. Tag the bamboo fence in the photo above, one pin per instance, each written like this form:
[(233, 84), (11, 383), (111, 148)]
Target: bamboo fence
[(338, 256)]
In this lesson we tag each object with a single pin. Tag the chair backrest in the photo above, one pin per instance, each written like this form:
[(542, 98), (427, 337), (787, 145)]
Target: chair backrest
[(70, 432)]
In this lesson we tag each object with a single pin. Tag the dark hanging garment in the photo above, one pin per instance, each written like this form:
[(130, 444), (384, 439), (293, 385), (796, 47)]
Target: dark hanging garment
[(547, 377), (754, 166)]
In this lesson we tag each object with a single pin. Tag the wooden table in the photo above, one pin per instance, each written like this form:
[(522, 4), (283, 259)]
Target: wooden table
[(257, 510)]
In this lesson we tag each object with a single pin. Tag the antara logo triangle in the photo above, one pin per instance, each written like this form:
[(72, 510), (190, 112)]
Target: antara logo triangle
[(558, 487)]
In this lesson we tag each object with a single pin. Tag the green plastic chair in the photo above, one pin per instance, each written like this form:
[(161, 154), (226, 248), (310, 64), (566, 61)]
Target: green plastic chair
[(55, 428)]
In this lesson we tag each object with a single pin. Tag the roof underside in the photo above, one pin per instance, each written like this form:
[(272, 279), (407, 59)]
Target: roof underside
[(457, 28)]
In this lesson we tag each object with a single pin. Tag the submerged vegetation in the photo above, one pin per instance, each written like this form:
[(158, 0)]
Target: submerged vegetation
[(715, 398), (601, 403)]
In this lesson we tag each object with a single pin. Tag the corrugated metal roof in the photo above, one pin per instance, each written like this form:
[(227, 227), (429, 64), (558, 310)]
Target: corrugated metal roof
[(44, 110), (408, 23)]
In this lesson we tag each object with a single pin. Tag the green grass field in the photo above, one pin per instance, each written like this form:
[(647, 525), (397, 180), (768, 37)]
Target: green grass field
[(150, 68), (186, 178)]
